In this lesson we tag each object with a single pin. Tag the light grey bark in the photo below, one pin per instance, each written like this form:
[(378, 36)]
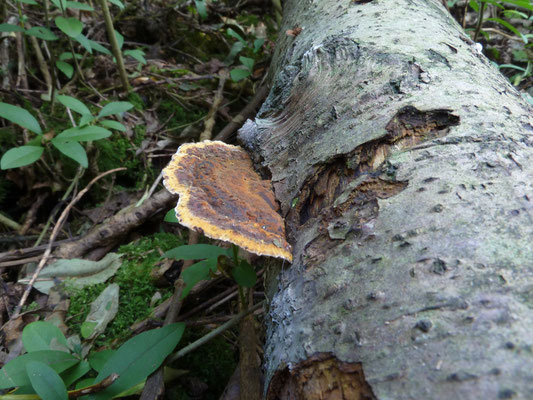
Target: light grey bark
[(403, 163)]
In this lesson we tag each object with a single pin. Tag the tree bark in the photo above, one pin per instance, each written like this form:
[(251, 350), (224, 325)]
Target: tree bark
[(403, 164)]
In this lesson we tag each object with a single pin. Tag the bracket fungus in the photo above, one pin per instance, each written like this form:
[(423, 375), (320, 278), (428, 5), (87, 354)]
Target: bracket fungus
[(223, 197)]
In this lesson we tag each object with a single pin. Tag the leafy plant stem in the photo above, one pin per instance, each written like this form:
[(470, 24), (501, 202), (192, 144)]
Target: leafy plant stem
[(479, 20), (214, 333), (52, 57), (114, 45), (76, 63)]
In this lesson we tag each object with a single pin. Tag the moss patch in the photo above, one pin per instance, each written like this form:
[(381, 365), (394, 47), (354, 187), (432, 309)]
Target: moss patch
[(136, 288)]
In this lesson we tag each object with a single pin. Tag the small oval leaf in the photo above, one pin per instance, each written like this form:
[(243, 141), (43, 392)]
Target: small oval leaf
[(83, 134), (113, 125), (20, 116), (42, 335), (14, 373), (42, 33), (116, 107), (72, 150), (196, 273), (10, 28), (244, 274), (66, 68), (20, 156), (196, 252), (46, 382), (138, 358), (70, 26), (74, 104)]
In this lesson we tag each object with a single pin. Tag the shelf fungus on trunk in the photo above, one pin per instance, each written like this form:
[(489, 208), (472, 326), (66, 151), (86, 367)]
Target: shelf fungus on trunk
[(223, 197)]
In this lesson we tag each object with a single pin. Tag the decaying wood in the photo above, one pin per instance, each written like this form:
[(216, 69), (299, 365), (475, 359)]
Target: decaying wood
[(115, 227), (403, 162)]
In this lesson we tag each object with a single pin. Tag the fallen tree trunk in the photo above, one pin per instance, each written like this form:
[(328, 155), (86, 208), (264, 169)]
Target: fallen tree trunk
[(403, 164)]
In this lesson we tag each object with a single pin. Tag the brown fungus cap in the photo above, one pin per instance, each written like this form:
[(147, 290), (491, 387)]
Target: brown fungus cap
[(221, 196)]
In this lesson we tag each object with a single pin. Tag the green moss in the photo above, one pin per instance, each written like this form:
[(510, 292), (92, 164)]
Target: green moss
[(136, 288)]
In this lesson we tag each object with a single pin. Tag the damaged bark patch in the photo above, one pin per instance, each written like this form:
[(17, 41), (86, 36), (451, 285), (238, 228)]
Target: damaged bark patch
[(343, 194), (321, 377), (363, 170)]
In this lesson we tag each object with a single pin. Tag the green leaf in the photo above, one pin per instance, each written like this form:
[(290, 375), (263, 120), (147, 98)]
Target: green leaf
[(14, 374), (79, 6), (70, 26), (138, 358), (244, 274), (61, 4), (98, 47), (74, 104), (31, 2), (84, 383), (87, 328), (238, 74), (20, 156), (66, 68), (100, 358), (120, 39), (235, 35), (85, 119), (474, 5), (235, 49), (201, 8), (42, 33), (136, 54), (115, 108), (83, 134), (113, 125), (521, 3), (196, 252), (508, 26), (46, 382), (42, 335), (86, 43), (20, 116), (74, 373), (118, 3), (247, 62), (258, 43), (170, 216), (72, 150), (10, 28), (67, 55), (196, 273)]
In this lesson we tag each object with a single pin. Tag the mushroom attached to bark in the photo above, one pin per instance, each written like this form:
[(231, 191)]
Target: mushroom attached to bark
[(221, 196)]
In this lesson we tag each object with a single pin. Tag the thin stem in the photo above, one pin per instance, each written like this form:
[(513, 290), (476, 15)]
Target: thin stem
[(214, 333), (479, 20), (114, 45)]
